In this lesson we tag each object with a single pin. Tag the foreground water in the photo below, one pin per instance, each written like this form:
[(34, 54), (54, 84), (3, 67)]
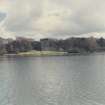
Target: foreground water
[(73, 80)]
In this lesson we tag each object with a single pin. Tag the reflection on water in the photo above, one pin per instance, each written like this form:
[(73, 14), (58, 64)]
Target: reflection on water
[(74, 80)]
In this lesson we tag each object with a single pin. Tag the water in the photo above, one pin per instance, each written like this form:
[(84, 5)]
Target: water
[(73, 80)]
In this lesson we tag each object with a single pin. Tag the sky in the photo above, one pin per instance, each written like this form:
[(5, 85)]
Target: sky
[(52, 18)]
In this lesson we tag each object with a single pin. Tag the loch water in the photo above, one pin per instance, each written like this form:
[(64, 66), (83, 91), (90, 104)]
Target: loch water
[(62, 80)]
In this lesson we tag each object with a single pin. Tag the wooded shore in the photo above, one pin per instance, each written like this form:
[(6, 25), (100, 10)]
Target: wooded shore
[(50, 47)]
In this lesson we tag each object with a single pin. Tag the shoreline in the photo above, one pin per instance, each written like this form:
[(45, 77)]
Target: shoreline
[(48, 53), (38, 53)]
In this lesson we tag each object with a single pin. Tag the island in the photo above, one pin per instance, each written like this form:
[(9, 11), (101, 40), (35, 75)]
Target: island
[(22, 46)]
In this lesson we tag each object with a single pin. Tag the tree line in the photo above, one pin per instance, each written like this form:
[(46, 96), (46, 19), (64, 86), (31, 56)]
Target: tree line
[(73, 44)]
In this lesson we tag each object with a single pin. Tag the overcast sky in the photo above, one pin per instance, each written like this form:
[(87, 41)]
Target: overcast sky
[(52, 18)]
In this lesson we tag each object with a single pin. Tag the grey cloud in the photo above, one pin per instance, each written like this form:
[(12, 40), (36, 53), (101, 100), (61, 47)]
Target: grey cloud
[(56, 17), (22, 14)]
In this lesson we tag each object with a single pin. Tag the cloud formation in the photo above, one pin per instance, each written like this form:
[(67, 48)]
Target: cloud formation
[(52, 18)]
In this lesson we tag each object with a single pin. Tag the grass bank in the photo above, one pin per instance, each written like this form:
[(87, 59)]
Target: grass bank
[(42, 53)]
